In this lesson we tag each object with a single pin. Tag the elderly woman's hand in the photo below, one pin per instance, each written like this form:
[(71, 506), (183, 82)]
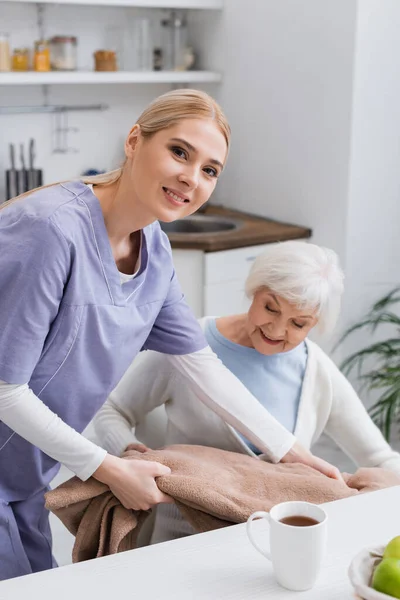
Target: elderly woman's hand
[(299, 454), (139, 447)]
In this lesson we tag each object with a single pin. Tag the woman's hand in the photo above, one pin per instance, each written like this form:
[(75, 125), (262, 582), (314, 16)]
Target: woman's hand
[(367, 479), (133, 481), (138, 447), (299, 454)]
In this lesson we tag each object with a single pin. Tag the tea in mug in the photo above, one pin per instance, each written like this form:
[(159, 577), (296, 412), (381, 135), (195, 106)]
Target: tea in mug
[(299, 521)]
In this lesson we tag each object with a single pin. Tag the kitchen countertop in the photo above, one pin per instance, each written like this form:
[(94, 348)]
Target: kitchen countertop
[(255, 231)]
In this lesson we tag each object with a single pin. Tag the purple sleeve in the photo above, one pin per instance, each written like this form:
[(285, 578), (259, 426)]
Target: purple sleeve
[(176, 330), (34, 264)]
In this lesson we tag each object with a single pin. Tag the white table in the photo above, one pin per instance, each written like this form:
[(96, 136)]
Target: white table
[(218, 565)]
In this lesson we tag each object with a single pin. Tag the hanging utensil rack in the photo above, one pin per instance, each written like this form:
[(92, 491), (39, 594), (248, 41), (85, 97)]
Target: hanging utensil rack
[(61, 128), (17, 110)]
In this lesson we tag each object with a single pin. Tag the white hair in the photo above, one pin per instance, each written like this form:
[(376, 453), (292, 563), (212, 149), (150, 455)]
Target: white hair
[(304, 274)]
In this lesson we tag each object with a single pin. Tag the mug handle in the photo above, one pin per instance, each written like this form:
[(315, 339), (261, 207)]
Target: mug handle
[(257, 515)]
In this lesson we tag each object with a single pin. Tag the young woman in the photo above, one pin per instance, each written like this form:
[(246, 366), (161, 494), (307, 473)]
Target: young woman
[(86, 283), (293, 287)]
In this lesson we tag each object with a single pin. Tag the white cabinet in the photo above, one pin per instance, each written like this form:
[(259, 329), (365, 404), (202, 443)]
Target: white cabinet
[(213, 282), (189, 266), (225, 298)]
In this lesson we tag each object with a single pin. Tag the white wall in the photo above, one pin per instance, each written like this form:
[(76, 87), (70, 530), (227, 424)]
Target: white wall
[(287, 91), (373, 224)]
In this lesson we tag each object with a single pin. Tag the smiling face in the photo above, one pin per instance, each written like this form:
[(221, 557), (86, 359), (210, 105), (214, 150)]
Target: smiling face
[(174, 172), (275, 325)]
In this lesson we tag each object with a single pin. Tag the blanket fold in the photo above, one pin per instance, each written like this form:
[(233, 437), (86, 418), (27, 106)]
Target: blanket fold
[(212, 488)]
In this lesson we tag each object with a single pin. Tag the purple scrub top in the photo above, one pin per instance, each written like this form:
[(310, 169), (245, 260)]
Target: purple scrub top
[(68, 327)]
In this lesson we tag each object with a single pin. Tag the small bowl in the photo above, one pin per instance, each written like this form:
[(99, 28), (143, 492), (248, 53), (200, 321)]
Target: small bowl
[(360, 573)]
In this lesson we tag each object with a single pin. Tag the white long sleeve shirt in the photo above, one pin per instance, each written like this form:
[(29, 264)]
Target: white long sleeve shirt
[(328, 404), (210, 383)]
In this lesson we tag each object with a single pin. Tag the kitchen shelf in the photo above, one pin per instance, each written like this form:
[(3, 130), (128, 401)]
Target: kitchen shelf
[(198, 4), (110, 77)]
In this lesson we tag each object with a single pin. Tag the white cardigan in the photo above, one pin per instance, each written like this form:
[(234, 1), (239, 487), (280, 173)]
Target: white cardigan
[(328, 403)]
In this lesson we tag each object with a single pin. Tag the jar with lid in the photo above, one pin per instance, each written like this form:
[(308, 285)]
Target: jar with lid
[(5, 57), (63, 53), (20, 59), (41, 57)]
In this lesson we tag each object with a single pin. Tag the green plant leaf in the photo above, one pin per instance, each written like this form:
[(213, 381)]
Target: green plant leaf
[(385, 373), (371, 322), (384, 351), (390, 298)]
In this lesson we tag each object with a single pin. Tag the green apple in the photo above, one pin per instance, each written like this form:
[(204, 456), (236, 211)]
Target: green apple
[(392, 550), (386, 577)]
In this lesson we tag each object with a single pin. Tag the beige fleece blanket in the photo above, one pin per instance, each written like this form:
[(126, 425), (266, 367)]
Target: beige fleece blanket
[(212, 488)]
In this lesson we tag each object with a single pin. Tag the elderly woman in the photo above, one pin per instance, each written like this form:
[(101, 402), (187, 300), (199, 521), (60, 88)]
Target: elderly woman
[(294, 286)]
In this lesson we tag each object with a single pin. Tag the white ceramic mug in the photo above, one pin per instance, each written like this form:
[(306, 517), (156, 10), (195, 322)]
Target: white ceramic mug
[(295, 552)]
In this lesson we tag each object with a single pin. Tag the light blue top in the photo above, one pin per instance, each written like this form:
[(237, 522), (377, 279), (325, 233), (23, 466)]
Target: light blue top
[(276, 380)]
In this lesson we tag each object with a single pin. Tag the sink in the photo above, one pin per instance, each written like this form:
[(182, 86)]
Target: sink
[(201, 225)]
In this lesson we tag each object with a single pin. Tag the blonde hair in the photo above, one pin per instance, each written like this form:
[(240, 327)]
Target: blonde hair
[(165, 111), (304, 274), (168, 110)]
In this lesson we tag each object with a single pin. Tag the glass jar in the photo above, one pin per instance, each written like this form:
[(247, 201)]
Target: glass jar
[(20, 59), (41, 57), (5, 57), (63, 53), (175, 42), (138, 47)]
